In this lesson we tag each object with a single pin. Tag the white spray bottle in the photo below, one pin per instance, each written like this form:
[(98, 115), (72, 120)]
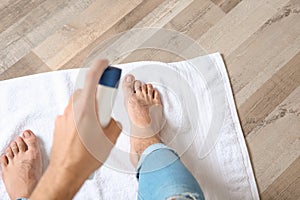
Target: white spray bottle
[(106, 94)]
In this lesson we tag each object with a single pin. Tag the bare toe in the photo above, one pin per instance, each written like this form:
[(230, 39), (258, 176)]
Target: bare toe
[(144, 89), (21, 144), (9, 154), (137, 86), (23, 166), (4, 161), (157, 96), (14, 148), (30, 139), (128, 84), (150, 91)]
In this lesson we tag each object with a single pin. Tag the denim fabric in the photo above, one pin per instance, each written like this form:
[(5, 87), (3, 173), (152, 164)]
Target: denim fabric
[(162, 176)]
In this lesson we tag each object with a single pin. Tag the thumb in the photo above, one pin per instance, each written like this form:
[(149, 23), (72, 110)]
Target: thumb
[(92, 77)]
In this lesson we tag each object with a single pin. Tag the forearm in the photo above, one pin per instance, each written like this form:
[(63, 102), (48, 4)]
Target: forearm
[(57, 183)]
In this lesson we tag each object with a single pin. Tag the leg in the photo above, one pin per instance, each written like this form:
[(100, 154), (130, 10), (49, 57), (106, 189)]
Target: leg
[(160, 172), (162, 175), (22, 166)]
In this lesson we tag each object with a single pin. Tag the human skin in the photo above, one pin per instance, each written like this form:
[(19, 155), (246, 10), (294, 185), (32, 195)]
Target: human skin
[(70, 161), (77, 134), (139, 98)]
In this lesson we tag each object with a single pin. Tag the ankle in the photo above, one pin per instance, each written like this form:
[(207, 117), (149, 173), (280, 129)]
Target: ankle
[(141, 144)]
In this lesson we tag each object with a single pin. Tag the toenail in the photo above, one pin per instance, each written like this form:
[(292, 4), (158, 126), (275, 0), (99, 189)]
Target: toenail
[(129, 79), (26, 134)]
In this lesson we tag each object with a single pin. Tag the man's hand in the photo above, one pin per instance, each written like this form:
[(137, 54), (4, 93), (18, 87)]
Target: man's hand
[(77, 131), (80, 145)]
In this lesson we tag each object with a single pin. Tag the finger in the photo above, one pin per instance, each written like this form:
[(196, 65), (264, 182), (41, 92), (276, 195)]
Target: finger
[(58, 120), (73, 99), (92, 77), (113, 130), (75, 96)]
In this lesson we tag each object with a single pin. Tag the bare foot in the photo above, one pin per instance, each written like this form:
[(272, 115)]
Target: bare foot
[(22, 166), (138, 99)]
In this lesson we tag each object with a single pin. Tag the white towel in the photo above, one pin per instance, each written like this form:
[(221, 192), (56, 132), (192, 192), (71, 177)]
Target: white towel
[(201, 125)]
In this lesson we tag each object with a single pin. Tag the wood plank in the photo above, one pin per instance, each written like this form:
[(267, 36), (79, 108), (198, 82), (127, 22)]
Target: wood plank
[(265, 52), (274, 144), (166, 13), (161, 15), (22, 36), (196, 18), (58, 49), (128, 22), (238, 25), (28, 65), (4, 4), (286, 186), (269, 95), (158, 18), (226, 5), (193, 21), (15, 10)]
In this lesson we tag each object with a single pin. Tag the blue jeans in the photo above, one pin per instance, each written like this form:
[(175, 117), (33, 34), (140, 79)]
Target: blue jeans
[(162, 176)]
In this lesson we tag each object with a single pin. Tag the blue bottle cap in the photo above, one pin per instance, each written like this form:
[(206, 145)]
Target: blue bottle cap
[(111, 77)]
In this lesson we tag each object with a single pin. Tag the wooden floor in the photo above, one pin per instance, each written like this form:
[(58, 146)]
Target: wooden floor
[(259, 39)]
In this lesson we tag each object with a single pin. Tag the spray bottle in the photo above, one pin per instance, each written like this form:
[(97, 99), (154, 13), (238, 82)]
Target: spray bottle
[(106, 94)]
